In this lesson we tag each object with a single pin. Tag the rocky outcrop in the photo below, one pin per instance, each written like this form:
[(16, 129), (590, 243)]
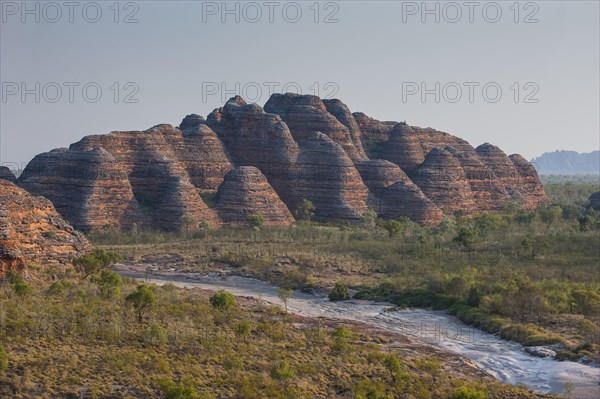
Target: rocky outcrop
[(341, 112), (514, 174), (493, 179), (327, 177), (394, 195), (256, 138), (182, 207), (245, 192), (594, 201), (530, 186), (372, 129), (125, 178), (7, 174), (409, 145), (298, 147), (32, 231), (306, 114), (487, 193), (442, 178), (88, 187)]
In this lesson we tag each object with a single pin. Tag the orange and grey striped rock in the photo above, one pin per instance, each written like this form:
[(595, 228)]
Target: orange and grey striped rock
[(32, 231), (298, 147), (246, 191)]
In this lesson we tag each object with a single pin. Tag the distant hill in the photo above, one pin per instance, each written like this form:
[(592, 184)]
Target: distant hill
[(567, 163)]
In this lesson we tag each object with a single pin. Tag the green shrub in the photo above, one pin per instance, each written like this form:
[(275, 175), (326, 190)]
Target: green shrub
[(243, 329), (393, 227), (18, 284), (341, 338), (22, 288), (233, 361), (305, 211), (158, 335), (255, 220), (282, 371), (465, 392), (57, 288), (222, 300), (392, 364), (339, 293), (173, 391), (566, 354), (371, 389)]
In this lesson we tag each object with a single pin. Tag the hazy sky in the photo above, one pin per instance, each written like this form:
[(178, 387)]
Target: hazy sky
[(181, 57)]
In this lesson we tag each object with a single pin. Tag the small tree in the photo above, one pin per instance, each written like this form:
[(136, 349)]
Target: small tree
[(305, 211), (142, 299), (487, 222), (109, 283), (18, 284), (370, 389), (22, 288), (528, 248), (339, 292), (95, 261), (188, 222), (466, 237), (393, 227), (223, 301), (550, 214), (243, 329), (285, 294), (369, 218), (255, 220)]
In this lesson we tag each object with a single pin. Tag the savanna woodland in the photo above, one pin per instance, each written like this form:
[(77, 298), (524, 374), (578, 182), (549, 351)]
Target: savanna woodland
[(87, 332)]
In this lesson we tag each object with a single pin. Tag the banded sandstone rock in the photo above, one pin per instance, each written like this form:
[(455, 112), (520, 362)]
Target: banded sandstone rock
[(530, 185), (327, 177), (126, 178), (88, 187), (246, 192), (372, 129), (515, 175), (305, 147), (7, 174), (306, 114), (394, 195), (442, 178), (32, 231), (256, 138)]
